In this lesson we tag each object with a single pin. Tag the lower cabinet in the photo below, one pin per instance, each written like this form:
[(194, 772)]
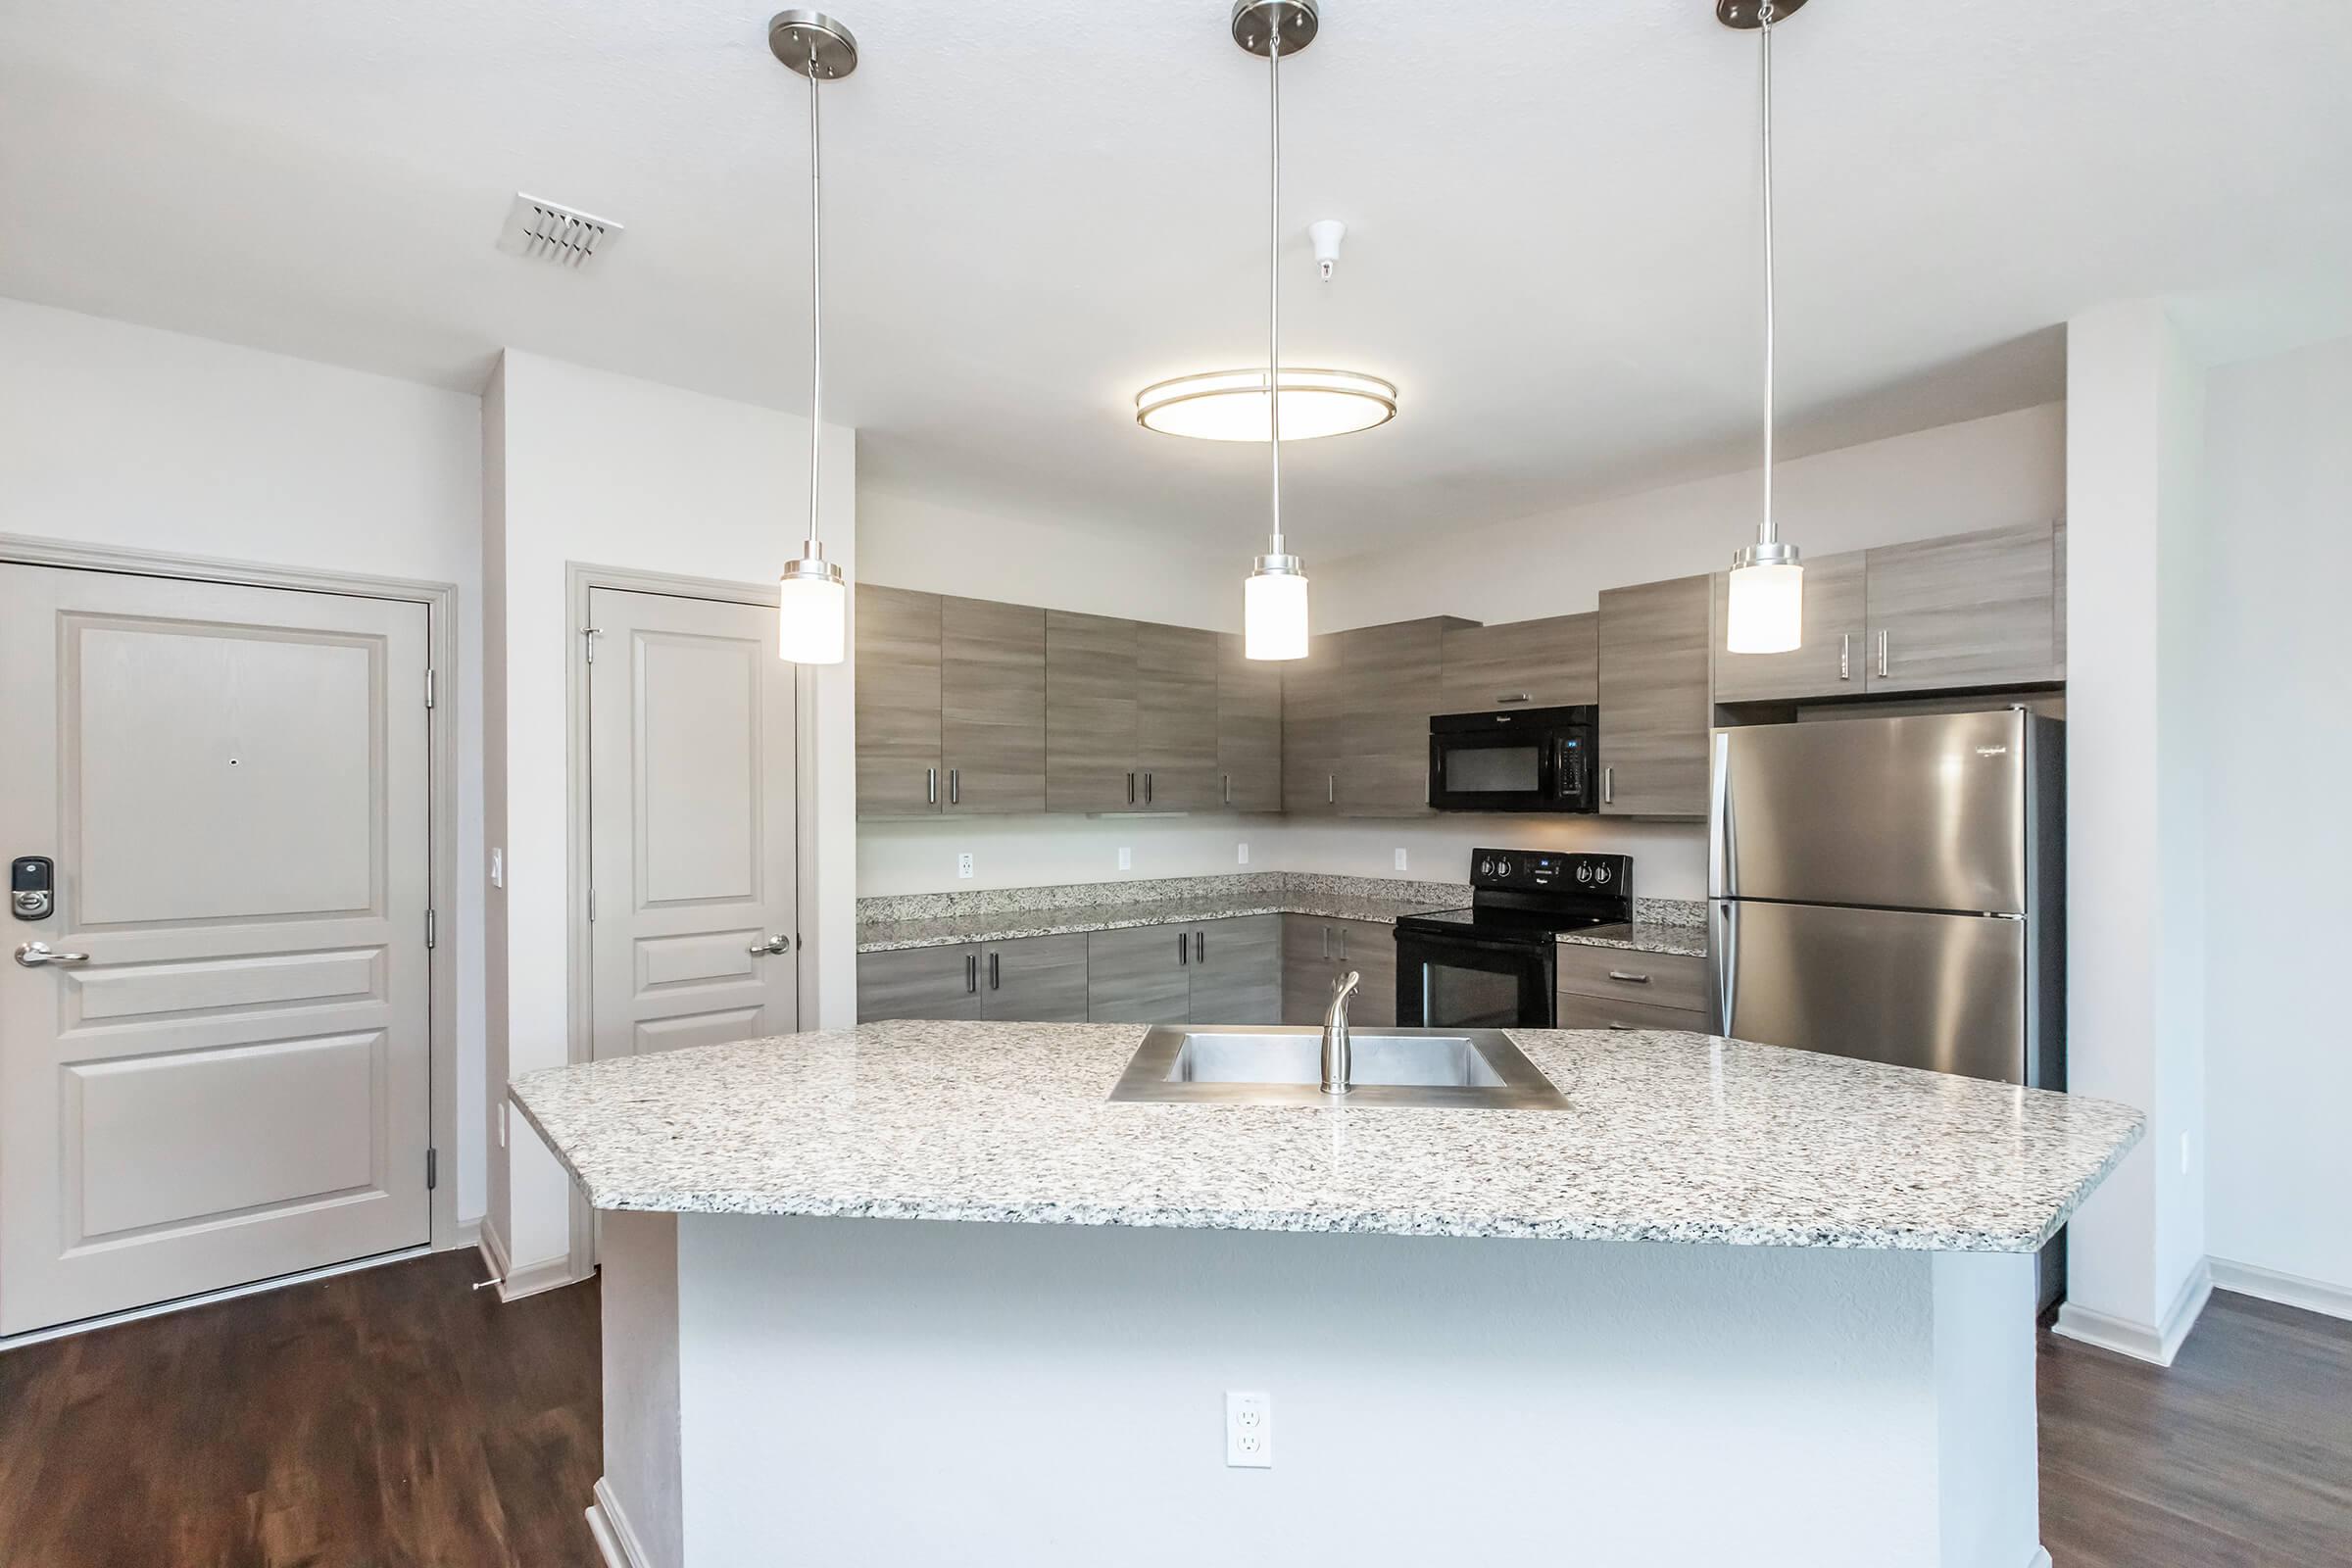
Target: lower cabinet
[(1237, 971), (1316, 953), (1029, 980), (1616, 988), (1214, 971)]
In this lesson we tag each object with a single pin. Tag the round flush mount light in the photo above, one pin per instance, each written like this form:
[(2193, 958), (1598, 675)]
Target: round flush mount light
[(1231, 405)]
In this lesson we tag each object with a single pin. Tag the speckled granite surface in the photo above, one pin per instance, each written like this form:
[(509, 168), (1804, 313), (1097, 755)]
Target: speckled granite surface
[(936, 920), (1670, 1138), (1640, 936)]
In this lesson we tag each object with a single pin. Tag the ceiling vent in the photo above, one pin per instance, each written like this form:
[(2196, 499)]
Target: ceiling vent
[(548, 232)]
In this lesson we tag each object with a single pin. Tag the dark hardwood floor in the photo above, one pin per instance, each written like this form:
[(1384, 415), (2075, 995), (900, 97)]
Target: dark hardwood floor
[(394, 1418)]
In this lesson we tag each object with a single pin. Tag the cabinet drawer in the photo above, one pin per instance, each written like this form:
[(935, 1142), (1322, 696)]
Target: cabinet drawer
[(1655, 979), (1607, 1012)]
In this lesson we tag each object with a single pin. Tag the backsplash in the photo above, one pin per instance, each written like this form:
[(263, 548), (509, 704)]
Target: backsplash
[(1153, 890)]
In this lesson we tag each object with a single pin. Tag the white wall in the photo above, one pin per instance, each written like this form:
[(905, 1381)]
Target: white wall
[(123, 435), (2277, 750), (607, 470)]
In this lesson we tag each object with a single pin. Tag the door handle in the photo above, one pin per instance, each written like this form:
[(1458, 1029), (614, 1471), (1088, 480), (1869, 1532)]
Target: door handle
[(1130, 789), (1184, 947), (1508, 698), (1628, 979), (1608, 786), (33, 955), (1200, 947), (996, 970), (1846, 656), (1343, 944), (1331, 788), (1146, 789), (971, 973), (930, 786), (1883, 654), (772, 945), (954, 786)]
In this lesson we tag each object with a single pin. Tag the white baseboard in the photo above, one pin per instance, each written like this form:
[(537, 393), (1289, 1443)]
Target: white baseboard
[(2040, 1559), (2158, 1345), (517, 1282), (2287, 1290), (468, 1234), (620, 1547)]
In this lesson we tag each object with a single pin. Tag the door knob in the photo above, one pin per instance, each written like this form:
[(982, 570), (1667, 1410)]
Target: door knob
[(772, 945), (33, 955)]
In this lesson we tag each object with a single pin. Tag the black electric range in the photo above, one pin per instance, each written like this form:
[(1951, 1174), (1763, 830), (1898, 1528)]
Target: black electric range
[(1493, 965)]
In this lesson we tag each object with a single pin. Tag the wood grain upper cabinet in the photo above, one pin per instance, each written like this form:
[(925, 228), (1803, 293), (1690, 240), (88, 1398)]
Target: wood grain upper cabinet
[(1975, 610), (1176, 750), (1390, 680), (1035, 979), (897, 703), (1140, 975), (919, 983), (1833, 658), (1311, 725), (1525, 663), (1091, 712), (1654, 709), (992, 707), (1249, 729)]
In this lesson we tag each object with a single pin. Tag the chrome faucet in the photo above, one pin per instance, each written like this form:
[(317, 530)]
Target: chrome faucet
[(1338, 1054)]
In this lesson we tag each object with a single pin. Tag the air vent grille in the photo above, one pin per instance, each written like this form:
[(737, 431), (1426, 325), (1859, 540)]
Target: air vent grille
[(548, 232)]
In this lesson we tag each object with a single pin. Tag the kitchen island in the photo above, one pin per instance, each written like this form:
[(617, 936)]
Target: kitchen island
[(922, 1293)]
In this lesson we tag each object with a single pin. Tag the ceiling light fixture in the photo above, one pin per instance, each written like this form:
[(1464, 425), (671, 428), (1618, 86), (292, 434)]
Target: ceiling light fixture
[(1231, 405), (1766, 608), (812, 597), (1274, 623)]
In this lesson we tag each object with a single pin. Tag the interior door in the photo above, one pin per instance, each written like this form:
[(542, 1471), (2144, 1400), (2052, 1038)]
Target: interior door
[(234, 1083), (691, 792)]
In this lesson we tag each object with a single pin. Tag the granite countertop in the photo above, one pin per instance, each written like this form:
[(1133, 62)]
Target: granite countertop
[(1670, 1137), (1639, 935), (891, 936)]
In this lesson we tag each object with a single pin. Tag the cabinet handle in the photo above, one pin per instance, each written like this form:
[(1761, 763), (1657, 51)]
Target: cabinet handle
[(1200, 947), (1229, 789), (996, 970), (1608, 786), (971, 973), (1343, 944), (1846, 656), (954, 786), (1327, 942), (1184, 947), (1509, 697), (1130, 789), (1628, 979), (1331, 788), (930, 786), (1146, 789), (1882, 671)]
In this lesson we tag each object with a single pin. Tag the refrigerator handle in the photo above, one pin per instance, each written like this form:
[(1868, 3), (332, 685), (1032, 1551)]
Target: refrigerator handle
[(1724, 946), (1721, 866)]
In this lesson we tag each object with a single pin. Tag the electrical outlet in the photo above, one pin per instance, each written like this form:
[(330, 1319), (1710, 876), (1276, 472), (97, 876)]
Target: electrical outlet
[(498, 869), (1126, 859), (963, 865), (1400, 860), (2185, 1154), (1244, 854), (1249, 1431)]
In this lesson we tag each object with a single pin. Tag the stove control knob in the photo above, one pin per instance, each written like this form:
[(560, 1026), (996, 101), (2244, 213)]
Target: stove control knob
[(1583, 872), (1601, 875), (1486, 867), (1503, 868)]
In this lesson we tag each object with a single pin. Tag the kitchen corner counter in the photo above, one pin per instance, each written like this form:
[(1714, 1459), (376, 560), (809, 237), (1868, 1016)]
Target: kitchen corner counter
[(892, 936), (1643, 935), (1669, 1137)]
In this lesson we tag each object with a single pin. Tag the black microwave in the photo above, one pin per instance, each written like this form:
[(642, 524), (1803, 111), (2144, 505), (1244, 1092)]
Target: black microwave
[(1531, 760)]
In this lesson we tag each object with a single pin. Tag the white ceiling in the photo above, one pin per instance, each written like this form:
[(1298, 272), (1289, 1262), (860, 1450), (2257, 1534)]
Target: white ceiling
[(1034, 209)]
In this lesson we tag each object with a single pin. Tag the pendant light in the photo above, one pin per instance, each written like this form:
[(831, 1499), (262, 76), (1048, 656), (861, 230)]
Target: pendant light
[(812, 598), (1765, 614), (1274, 595)]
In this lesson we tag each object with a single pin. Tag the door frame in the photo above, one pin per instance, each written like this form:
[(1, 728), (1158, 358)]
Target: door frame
[(579, 580), (440, 601)]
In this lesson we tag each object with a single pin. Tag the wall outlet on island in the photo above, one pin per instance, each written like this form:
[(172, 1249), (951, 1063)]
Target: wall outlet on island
[(964, 864), (1126, 859), (1400, 860), (1249, 1431)]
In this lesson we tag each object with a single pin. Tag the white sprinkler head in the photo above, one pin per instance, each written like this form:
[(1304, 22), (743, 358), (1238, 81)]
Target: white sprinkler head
[(1327, 233)]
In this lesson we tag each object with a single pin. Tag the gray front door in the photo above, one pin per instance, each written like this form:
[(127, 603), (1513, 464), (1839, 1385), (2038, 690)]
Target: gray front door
[(235, 1082)]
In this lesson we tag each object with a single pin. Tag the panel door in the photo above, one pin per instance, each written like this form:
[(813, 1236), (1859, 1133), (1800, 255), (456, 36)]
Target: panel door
[(1390, 677), (1311, 724), (1654, 709), (236, 1082), (1249, 728), (691, 824), (918, 983), (1553, 663), (897, 705), (1835, 627), (1034, 980), (1309, 967), (1975, 610), (992, 707), (1370, 950), (1177, 717), (1237, 971), (1091, 713), (1140, 975)]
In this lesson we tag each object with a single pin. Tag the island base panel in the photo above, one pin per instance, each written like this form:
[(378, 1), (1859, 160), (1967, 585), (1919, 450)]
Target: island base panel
[(882, 1392)]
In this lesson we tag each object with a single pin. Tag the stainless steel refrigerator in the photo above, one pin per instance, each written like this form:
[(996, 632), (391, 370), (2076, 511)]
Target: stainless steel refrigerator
[(1892, 889)]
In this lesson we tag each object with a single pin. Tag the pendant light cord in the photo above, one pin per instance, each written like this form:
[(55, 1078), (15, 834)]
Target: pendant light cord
[(816, 289), (1771, 531), (1274, 269)]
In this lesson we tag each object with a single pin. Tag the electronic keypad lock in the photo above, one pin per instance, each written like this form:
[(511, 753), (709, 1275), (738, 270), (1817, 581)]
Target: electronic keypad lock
[(32, 887)]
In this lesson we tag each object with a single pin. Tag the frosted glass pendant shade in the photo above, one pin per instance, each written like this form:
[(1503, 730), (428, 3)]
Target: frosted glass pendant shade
[(1274, 613), (1767, 610), (813, 619)]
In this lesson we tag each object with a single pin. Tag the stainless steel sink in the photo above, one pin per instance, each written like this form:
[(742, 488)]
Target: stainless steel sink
[(1459, 1069)]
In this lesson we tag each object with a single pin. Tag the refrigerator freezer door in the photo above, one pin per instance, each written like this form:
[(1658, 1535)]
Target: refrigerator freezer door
[(1945, 991), (1920, 812)]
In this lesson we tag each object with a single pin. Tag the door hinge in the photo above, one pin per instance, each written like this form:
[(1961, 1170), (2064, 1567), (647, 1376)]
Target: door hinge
[(588, 640), (432, 929), (432, 1169), (429, 692)]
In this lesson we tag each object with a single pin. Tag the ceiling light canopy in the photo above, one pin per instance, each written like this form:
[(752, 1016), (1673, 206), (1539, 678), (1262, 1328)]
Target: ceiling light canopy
[(1231, 405)]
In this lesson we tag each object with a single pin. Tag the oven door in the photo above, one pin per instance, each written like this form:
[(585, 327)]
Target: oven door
[(1507, 771), (1462, 982)]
